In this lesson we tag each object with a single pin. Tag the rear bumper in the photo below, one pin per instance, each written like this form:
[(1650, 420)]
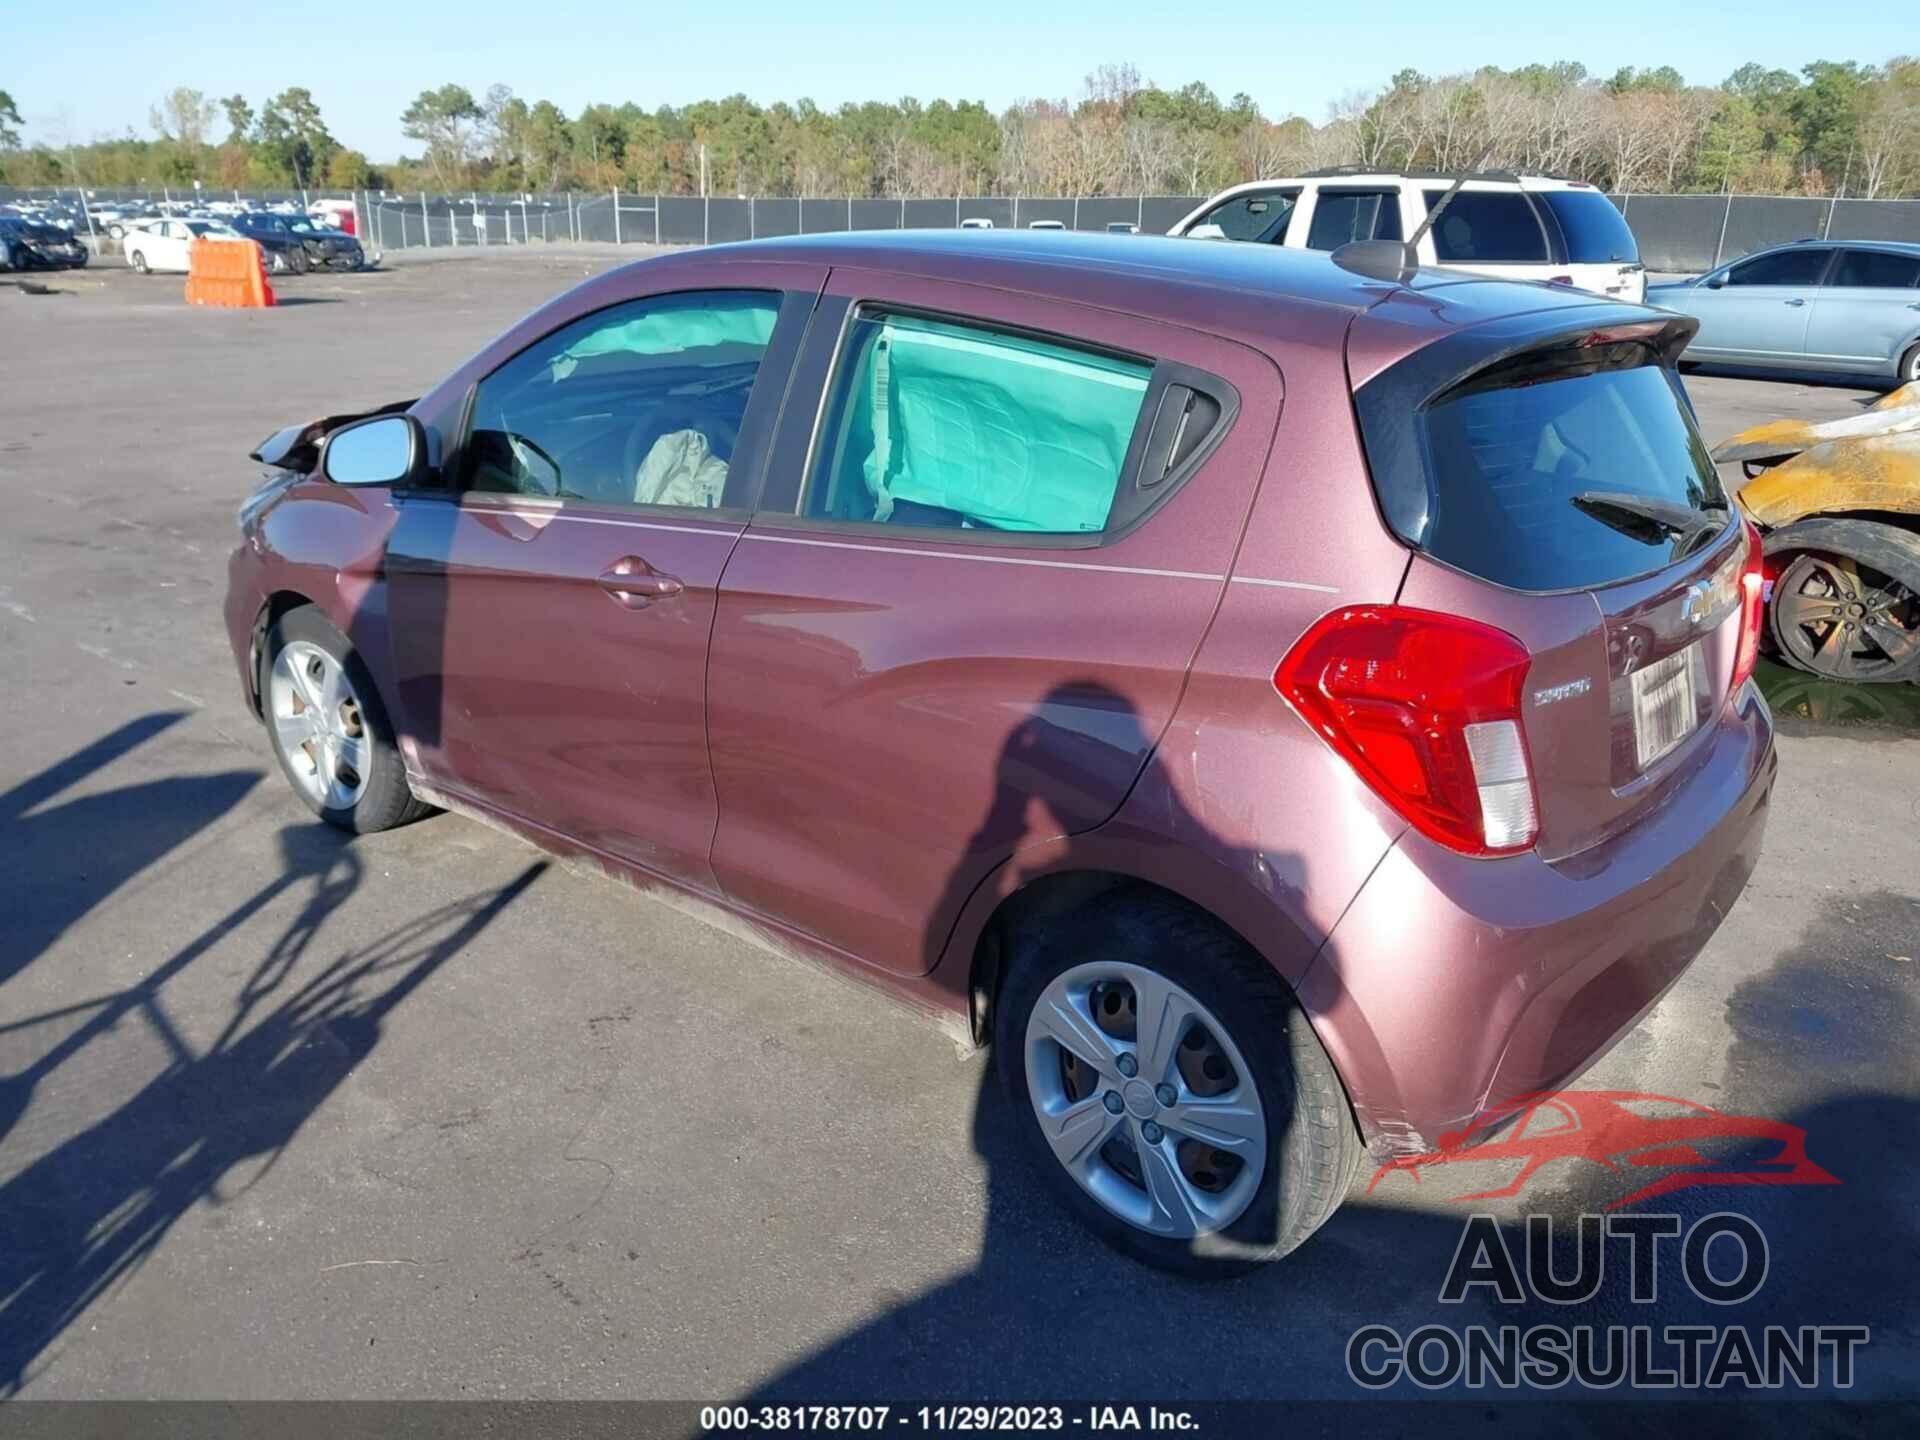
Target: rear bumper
[(1452, 985)]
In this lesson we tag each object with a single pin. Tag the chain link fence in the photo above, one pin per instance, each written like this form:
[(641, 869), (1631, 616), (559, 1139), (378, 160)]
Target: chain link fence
[(1678, 233)]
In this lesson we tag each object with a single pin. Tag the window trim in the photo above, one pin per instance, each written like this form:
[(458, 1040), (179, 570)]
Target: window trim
[(763, 405), (823, 378)]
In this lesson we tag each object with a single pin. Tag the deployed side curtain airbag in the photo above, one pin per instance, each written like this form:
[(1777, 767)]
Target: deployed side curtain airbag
[(1006, 431)]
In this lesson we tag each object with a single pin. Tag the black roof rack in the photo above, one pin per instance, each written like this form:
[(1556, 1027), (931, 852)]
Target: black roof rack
[(1331, 171)]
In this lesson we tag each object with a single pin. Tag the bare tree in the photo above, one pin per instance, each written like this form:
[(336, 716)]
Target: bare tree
[(184, 115), (1889, 134)]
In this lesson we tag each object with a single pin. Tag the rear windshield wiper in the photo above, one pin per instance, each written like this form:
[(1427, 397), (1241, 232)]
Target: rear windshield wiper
[(1649, 520)]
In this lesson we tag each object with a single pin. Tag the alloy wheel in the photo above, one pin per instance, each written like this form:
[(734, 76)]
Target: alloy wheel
[(319, 725), (1145, 1100), (1846, 621)]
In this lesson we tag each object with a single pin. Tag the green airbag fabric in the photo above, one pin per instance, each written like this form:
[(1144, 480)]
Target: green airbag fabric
[(672, 330), (1010, 432)]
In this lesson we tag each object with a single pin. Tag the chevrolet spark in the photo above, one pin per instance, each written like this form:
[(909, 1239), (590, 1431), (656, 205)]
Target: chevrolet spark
[(1285, 712)]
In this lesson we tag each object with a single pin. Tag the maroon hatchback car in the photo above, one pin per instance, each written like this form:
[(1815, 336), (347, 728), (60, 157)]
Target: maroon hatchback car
[(1286, 712)]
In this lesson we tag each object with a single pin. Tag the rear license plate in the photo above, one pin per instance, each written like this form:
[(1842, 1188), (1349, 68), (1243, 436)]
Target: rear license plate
[(1666, 704)]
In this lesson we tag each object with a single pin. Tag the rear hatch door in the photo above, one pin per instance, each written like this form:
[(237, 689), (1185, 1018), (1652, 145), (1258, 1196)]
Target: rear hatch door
[(1554, 485)]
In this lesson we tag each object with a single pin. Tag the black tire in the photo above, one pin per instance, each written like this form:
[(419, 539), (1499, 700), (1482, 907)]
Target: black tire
[(1885, 557), (386, 801), (1909, 368), (297, 260), (138, 261), (1313, 1144)]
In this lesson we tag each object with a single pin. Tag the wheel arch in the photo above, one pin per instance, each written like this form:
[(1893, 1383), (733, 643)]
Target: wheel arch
[(276, 604), (1030, 889)]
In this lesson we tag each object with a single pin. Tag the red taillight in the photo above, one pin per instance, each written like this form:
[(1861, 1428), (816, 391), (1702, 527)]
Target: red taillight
[(1753, 607), (1426, 709)]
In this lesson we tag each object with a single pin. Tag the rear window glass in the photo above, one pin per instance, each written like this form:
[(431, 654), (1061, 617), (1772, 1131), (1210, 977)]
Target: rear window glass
[(1254, 217), (1596, 233), (1495, 226), (946, 425), (1340, 217), (1876, 269), (1533, 485)]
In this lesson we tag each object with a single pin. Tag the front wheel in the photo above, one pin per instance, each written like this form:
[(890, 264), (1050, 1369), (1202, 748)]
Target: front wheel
[(1170, 1089), (1835, 615), (329, 729), (139, 263), (297, 260)]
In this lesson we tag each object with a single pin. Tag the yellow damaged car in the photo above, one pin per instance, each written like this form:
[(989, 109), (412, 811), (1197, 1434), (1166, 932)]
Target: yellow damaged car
[(1839, 506)]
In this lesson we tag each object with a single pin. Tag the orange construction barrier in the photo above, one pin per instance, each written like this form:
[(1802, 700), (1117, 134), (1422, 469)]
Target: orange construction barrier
[(227, 272)]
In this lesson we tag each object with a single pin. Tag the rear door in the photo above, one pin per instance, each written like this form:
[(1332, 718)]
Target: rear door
[(1337, 215), (995, 529), (1524, 483), (551, 605), (1867, 312)]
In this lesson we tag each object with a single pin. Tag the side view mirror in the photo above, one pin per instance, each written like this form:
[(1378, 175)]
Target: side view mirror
[(1716, 282), (1206, 232), (386, 450)]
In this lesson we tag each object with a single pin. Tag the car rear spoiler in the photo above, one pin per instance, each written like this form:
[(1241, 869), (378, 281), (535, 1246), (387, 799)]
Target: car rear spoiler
[(297, 448)]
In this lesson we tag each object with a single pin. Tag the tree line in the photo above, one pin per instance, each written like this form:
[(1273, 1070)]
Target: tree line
[(1835, 127)]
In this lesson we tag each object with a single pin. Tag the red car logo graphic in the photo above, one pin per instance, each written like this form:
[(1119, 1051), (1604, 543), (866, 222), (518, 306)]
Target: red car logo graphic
[(1597, 1125)]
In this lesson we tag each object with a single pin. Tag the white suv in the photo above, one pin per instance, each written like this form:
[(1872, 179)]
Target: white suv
[(1518, 227)]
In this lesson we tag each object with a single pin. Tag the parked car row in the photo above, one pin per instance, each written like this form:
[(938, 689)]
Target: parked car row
[(293, 245), (1427, 759)]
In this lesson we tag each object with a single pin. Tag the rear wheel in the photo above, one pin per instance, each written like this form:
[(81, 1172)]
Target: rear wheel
[(329, 729), (1910, 366), (1170, 1088), (1837, 617), (297, 260), (139, 262)]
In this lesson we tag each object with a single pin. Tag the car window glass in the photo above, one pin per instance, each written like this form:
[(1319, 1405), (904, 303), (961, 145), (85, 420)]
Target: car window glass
[(1347, 215), (1593, 230), (1508, 464), (640, 404), (949, 425), (1490, 226), (1260, 217), (1782, 267), (1876, 269)]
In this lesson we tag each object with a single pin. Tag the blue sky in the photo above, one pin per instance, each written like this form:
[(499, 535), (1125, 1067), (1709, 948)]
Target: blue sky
[(77, 73)]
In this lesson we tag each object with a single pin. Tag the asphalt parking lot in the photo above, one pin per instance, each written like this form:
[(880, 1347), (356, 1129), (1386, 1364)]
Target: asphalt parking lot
[(289, 1114)]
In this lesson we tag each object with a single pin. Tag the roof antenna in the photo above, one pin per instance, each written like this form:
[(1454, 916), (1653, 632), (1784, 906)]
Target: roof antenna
[(1396, 260)]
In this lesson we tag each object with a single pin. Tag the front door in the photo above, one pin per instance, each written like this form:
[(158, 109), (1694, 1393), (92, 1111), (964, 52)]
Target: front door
[(1759, 316), (963, 624), (552, 605)]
